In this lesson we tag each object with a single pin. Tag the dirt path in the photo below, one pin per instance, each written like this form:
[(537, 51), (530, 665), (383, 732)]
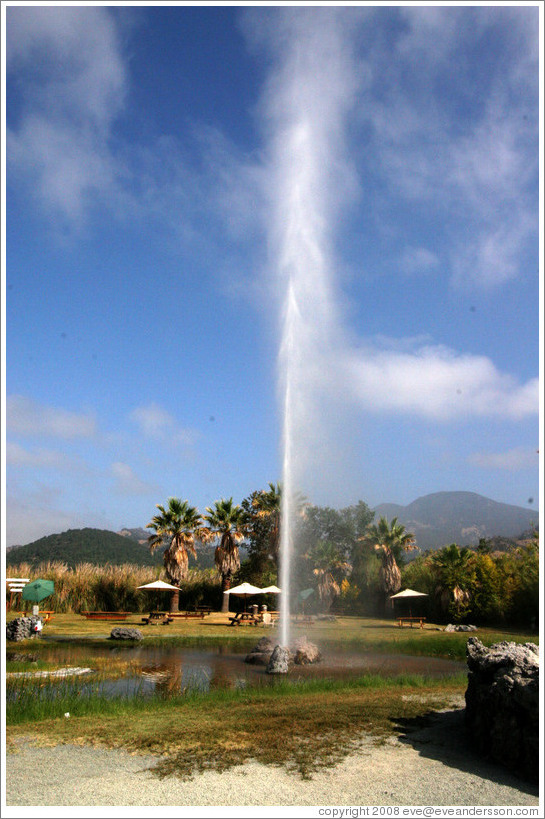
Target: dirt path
[(428, 766)]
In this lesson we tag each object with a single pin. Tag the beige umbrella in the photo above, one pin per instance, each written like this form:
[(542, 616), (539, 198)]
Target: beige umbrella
[(271, 590), (160, 585), (407, 593), (244, 590)]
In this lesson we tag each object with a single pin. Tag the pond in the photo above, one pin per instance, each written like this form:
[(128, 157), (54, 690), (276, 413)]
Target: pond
[(165, 671)]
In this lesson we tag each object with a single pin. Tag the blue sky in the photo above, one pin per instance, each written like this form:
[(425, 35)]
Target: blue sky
[(154, 155)]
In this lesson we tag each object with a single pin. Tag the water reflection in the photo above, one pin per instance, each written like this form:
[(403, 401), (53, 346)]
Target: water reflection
[(167, 672)]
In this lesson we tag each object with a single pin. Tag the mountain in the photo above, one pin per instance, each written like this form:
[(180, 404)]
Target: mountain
[(139, 534), (458, 517), (100, 546), (96, 546)]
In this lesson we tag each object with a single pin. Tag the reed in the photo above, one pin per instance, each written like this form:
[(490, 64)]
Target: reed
[(114, 587)]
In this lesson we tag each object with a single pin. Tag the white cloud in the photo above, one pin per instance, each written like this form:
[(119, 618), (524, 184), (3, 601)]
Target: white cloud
[(512, 460), (27, 417), (155, 422), (127, 482), (418, 260), (18, 456), (69, 61), (438, 384), (479, 168)]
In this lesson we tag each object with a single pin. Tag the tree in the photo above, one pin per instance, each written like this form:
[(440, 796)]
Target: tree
[(175, 529), (391, 540), (226, 523), (454, 576), (329, 567), (267, 509)]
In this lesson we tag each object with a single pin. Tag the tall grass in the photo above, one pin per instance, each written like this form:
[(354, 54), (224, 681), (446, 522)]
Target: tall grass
[(28, 700), (114, 588)]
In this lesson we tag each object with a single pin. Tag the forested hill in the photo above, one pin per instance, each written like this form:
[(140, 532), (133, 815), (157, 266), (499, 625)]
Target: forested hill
[(96, 546)]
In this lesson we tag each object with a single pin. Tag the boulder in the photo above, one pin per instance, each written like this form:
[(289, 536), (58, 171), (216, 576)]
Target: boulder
[(305, 652), (260, 653), (279, 661), (22, 628), (123, 633), (502, 704), (258, 657)]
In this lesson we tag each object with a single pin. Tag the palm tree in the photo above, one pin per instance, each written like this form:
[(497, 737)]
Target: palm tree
[(329, 566), (267, 506), (391, 540), (175, 529), (226, 522), (453, 568)]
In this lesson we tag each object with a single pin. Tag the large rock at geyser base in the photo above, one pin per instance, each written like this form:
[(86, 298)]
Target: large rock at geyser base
[(124, 633), (305, 652), (280, 661), (502, 704), (22, 628), (260, 653)]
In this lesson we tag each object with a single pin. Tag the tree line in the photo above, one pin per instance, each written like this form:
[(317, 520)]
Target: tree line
[(346, 561)]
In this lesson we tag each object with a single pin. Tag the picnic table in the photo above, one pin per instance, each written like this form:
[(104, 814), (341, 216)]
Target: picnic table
[(410, 620), (186, 614), (106, 615), (155, 617), (244, 618)]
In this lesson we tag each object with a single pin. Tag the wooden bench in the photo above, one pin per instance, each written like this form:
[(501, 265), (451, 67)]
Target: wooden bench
[(187, 614), (106, 615), (410, 621)]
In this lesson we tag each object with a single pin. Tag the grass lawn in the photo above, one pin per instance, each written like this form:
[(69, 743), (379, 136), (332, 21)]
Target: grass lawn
[(305, 725), (365, 633)]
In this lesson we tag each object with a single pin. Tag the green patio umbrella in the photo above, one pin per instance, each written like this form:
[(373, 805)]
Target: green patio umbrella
[(38, 590)]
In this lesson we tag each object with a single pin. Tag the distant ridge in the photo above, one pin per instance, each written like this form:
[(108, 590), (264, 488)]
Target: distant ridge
[(459, 517), (436, 520), (95, 546), (99, 547)]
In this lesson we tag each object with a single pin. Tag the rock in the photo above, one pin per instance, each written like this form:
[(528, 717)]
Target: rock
[(264, 645), (502, 704), (22, 628), (302, 653), (260, 653), (121, 633), (279, 661), (258, 657), (458, 627), (305, 652)]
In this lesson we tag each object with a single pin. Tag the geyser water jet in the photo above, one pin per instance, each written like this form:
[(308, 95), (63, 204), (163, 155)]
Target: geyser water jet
[(310, 95)]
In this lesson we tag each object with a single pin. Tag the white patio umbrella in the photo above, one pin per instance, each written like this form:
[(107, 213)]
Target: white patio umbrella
[(159, 585), (407, 593), (244, 590), (271, 590)]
